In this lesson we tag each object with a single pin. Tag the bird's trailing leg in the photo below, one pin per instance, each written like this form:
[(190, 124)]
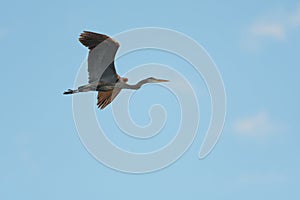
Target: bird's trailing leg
[(69, 91)]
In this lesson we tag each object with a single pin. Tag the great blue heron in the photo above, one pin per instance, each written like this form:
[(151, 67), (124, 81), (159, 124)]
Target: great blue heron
[(101, 68)]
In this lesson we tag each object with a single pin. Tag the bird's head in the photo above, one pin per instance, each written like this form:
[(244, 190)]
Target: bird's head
[(123, 79), (155, 80)]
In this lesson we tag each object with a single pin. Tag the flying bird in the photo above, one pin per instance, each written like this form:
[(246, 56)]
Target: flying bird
[(101, 69)]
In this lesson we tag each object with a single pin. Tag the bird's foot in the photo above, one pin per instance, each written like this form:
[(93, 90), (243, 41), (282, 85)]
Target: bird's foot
[(69, 91)]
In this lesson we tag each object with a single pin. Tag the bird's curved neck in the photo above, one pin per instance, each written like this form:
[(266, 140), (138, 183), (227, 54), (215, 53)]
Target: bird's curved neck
[(137, 86)]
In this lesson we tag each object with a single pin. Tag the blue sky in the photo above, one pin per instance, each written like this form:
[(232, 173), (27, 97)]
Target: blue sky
[(256, 48)]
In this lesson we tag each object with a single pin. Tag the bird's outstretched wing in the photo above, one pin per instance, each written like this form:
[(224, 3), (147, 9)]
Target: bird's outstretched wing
[(106, 97), (101, 57)]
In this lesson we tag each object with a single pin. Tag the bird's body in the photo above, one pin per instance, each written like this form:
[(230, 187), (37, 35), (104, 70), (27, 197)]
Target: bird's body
[(102, 73)]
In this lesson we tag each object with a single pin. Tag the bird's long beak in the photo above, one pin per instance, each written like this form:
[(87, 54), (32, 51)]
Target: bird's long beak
[(162, 80)]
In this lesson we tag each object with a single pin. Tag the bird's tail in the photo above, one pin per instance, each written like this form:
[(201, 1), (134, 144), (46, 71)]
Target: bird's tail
[(69, 91)]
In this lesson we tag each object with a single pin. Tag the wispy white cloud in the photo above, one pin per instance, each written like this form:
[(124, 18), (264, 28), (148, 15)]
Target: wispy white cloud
[(256, 125), (275, 26), (273, 30)]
